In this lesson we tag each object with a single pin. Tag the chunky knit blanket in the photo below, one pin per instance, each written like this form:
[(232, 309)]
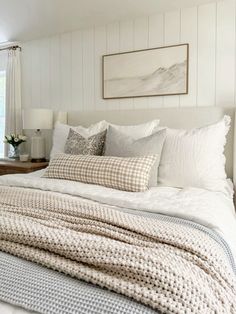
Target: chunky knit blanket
[(175, 269)]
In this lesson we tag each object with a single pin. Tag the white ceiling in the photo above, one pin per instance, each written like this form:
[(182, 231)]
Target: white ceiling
[(22, 20)]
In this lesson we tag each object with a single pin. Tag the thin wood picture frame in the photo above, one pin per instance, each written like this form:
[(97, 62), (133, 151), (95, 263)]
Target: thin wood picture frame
[(161, 71)]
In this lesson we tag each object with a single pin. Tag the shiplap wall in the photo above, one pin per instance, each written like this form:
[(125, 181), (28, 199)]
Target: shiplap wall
[(64, 71)]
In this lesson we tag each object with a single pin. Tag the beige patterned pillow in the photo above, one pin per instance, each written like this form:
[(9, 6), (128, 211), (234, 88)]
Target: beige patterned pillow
[(122, 173), (76, 144)]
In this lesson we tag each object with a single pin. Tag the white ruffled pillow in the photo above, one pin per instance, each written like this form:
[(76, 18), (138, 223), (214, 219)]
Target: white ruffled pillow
[(195, 158)]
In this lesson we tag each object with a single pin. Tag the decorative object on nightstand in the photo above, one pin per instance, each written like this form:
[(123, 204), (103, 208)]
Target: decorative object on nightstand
[(14, 140), (9, 166), (61, 117), (37, 119), (24, 157)]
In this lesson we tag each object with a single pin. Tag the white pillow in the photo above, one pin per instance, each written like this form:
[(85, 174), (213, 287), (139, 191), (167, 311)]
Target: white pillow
[(137, 131), (195, 158), (61, 132)]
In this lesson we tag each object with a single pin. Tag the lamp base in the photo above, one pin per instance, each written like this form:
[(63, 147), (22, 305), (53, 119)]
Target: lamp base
[(38, 160), (38, 147)]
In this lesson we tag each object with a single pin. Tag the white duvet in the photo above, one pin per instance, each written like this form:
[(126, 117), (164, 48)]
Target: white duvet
[(214, 210)]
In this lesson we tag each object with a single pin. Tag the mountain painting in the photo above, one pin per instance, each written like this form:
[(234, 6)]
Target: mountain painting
[(150, 72)]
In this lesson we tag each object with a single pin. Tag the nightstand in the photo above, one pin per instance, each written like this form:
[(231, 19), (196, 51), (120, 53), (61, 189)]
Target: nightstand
[(8, 166)]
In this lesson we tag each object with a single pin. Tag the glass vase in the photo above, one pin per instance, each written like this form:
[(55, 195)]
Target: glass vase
[(14, 152)]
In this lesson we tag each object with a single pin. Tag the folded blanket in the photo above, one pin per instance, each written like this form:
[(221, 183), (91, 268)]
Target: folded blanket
[(170, 267)]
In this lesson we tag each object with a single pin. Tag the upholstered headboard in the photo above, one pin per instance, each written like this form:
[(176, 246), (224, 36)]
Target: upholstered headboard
[(185, 118)]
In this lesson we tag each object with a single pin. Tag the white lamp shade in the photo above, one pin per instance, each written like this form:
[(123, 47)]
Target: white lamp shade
[(34, 119)]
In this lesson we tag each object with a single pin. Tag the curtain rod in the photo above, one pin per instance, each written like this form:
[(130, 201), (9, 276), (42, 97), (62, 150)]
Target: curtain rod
[(11, 48)]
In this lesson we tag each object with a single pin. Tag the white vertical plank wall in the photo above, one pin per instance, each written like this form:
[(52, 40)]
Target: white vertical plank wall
[(65, 71), (55, 71), (189, 31), (172, 37), (225, 53), (156, 39), (35, 78), (88, 69), (76, 70), (113, 46), (100, 49), (126, 44), (45, 74), (141, 35), (207, 54)]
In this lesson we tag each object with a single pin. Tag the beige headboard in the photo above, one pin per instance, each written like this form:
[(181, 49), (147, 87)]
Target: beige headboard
[(172, 117)]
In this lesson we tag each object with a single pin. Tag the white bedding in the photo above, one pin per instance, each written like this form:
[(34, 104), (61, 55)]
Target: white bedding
[(212, 209)]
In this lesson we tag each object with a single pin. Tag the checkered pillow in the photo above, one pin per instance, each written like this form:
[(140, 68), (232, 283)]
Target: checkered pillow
[(127, 174)]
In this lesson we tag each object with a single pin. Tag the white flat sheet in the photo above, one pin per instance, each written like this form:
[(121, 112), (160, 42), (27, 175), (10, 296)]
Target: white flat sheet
[(6, 308), (214, 210)]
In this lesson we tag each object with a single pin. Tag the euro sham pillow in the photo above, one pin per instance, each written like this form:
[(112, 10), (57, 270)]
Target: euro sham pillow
[(121, 145), (127, 174), (76, 144), (195, 158), (61, 132), (139, 130)]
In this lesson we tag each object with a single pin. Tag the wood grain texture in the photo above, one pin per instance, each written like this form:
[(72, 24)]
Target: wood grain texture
[(13, 166)]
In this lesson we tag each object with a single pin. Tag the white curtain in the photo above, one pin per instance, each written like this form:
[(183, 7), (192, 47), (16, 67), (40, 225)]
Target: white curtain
[(13, 94)]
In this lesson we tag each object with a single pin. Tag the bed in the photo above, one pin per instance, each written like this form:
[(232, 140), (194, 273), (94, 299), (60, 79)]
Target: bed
[(27, 286)]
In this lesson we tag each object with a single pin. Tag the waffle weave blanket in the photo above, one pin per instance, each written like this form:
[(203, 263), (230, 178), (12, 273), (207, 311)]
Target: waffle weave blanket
[(169, 267)]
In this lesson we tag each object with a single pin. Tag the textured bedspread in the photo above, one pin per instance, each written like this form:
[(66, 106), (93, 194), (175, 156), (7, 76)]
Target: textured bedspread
[(43, 290), (166, 266)]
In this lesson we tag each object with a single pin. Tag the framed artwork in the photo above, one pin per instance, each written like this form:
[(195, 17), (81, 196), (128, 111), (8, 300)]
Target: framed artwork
[(150, 72)]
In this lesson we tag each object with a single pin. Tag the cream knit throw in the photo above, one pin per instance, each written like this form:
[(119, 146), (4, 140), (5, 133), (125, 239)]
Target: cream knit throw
[(170, 267)]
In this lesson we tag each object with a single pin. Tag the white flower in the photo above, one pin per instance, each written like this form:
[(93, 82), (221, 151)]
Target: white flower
[(22, 137), (16, 139), (13, 135), (8, 137)]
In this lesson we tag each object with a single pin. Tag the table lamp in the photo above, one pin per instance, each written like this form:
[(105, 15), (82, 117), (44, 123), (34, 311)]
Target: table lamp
[(37, 119)]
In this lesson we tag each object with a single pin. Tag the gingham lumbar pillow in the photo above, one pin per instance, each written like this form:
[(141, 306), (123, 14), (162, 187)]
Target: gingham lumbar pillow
[(122, 173)]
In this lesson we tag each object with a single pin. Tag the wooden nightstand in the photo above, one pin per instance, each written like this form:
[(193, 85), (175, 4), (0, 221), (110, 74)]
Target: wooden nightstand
[(8, 166)]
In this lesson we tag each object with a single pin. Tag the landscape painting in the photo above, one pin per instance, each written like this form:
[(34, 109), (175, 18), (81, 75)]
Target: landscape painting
[(150, 72)]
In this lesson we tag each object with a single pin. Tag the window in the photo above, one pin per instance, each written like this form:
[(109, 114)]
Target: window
[(2, 110)]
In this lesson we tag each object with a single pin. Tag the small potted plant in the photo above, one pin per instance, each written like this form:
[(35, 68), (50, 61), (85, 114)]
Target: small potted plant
[(14, 140)]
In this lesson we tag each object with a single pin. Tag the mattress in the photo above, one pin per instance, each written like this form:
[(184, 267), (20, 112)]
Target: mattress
[(213, 210)]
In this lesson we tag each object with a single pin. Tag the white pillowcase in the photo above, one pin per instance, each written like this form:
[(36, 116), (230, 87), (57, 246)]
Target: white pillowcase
[(195, 158), (138, 131), (61, 132)]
